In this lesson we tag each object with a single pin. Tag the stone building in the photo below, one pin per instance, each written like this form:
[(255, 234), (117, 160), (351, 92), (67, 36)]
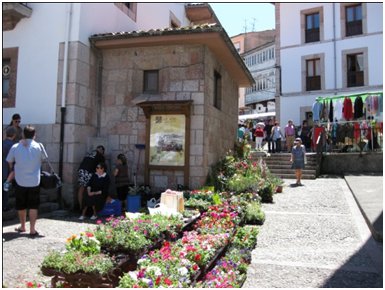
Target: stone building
[(189, 74)]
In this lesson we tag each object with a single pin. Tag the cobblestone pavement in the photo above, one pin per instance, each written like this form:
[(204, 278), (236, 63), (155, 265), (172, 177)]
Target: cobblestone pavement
[(22, 256), (315, 236)]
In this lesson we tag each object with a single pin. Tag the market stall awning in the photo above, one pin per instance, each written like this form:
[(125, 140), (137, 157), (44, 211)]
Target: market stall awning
[(256, 116)]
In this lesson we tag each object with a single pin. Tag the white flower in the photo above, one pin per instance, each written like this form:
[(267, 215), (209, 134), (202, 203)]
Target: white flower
[(133, 275), (183, 271), (156, 270)]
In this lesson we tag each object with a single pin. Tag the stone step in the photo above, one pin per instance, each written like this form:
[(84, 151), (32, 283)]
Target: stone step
[(288, 166)]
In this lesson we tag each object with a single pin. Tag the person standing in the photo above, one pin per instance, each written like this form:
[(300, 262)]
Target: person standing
[(121, 179), (15, 123), (258, 133), (297, 159), (10, 135), (97, 191), (27, 157), (305, 135), (268, 137), (276, 135), (87, 169), (289, 135)]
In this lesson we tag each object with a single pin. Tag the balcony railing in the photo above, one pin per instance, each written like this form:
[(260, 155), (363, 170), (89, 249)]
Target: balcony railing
[(354, 28), (313, 83), (312, 35)]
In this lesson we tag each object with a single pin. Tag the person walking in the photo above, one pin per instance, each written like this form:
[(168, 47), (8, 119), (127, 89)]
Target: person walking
[(276, 135), (87, 169), (268, 137), (8, 175), (297, 159), (97, 191), (121, 179), (15, 123), (289, 135), (27, 157)]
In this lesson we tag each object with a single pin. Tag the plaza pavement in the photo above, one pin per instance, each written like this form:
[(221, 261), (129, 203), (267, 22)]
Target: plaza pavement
[(314, 236)]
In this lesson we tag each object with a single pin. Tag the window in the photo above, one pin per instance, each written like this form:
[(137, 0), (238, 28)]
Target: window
[(313, 74), (353, 24), (10, 57), (128, 8), (237, 46), (151, 80), (312, 28), (217, 90), (312, 25), (355, 70)]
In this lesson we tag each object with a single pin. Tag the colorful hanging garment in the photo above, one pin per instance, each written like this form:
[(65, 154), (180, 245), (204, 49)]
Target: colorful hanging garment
[(348, 109), (358, 108)]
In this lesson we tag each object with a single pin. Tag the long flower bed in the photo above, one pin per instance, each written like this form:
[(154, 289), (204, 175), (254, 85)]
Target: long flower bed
[(147, 251)]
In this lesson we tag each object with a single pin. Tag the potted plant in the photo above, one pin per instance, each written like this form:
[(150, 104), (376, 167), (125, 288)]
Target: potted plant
[(254, 214)]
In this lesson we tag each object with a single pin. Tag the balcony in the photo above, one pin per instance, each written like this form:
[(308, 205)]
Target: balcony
[(13, 13), (257, 97)]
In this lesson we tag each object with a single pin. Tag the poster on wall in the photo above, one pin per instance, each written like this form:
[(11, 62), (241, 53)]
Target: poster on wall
[(167, 140)]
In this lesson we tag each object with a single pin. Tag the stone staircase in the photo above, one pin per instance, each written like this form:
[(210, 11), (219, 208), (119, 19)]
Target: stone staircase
[(279, 165), (48, 203)]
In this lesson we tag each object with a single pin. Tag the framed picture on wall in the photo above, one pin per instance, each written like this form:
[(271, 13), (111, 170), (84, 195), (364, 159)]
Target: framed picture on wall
[(167, 140)]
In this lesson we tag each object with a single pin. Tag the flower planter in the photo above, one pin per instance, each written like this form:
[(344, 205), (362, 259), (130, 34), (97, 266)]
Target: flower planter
[(83, 280), (279, 189)]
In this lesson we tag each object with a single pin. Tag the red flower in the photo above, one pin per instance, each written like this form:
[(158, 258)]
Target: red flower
[(197, 257), (29, 285), (195, 267), (168, 281), (89, 235), (157, 281)]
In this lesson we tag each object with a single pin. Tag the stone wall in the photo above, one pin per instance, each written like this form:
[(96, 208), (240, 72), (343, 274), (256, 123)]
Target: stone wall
[(340, 163), (186, 73)]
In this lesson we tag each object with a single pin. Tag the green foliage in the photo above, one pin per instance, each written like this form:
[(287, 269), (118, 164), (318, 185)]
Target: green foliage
[(74, 261), (217, 199), (245, 237), (254, 213)]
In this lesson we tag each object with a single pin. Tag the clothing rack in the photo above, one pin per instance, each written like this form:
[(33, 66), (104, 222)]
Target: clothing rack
[(363, 95), (347, 122)]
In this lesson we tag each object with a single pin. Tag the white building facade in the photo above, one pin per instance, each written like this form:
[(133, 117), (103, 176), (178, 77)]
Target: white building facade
[(326, 49), (260, 98), (39, 36)]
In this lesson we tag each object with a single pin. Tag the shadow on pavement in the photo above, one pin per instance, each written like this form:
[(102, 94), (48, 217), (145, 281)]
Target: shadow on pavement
[(356, 273), (15, 235)]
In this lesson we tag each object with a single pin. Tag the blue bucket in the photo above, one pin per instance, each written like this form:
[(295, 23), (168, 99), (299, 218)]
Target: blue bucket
[(133, 203)]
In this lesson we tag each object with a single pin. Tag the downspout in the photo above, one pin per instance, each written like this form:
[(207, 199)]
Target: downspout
[(335, 48), (99, 72), (63, 97)]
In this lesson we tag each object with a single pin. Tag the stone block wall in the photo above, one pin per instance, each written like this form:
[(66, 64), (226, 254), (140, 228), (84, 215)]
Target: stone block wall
[(186, 73)]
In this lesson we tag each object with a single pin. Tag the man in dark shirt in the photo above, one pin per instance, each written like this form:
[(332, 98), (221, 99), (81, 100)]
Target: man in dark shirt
[(267, 129)]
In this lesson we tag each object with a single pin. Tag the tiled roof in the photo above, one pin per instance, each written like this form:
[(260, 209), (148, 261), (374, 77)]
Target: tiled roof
[(157, 32)]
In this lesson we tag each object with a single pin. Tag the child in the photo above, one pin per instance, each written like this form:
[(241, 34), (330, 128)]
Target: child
[(121, 179)]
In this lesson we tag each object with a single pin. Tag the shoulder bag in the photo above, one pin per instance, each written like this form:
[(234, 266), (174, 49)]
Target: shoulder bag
[(49, 180)]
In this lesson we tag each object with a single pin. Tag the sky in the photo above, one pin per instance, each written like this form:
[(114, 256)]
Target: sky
[(234, 17)]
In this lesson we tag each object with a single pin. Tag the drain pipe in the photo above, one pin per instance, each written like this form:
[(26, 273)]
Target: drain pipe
[(335, 48), (63, 98)]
